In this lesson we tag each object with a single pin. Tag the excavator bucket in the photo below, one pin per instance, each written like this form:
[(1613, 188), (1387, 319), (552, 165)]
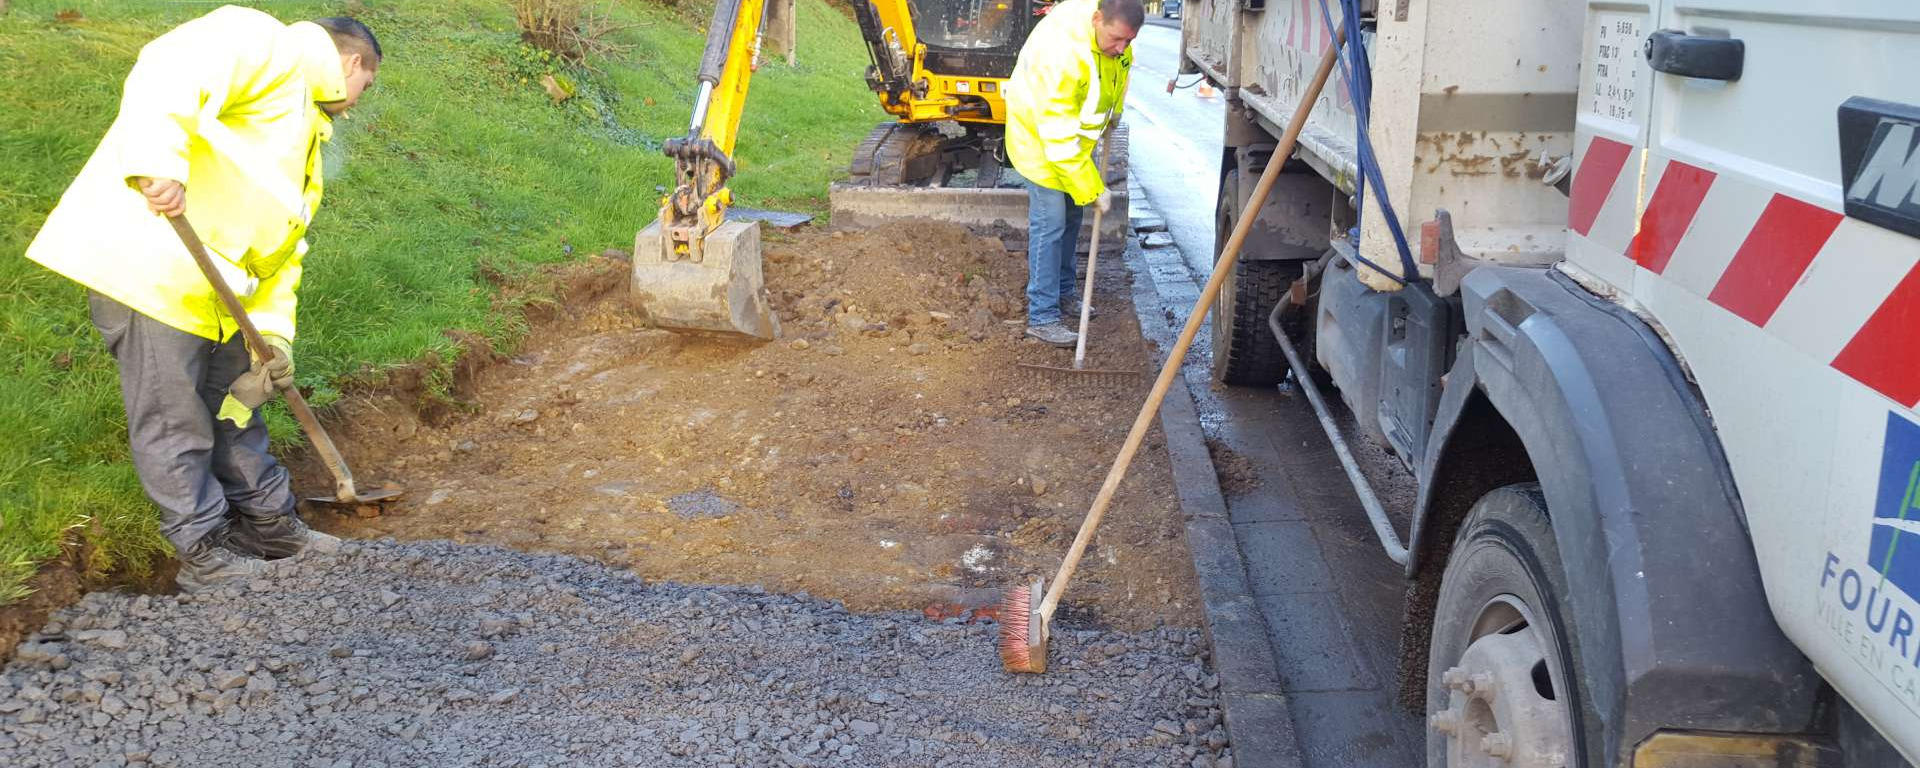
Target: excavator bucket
[(717, 289)]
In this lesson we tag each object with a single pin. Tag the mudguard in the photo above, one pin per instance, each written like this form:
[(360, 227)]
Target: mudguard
[(1674, 627)]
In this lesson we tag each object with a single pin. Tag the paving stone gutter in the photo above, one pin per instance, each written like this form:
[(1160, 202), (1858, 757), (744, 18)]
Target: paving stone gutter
[(1255, 707)]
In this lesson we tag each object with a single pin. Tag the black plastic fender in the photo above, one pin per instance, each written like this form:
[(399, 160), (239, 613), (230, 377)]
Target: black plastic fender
[(1673, 625)]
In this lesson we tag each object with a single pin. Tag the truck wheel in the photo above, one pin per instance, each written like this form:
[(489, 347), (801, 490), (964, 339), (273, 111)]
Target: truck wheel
[(1244, 351), (1503, 686)]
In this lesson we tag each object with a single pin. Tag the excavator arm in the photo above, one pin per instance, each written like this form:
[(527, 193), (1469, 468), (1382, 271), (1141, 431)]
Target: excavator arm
[(703, 159), (693, 269)]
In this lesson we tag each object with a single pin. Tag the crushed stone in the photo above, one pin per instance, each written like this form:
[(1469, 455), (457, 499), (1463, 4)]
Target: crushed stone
[(503, 658)]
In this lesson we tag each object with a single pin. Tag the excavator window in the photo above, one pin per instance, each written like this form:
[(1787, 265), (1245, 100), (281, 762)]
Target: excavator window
[(971, 25)]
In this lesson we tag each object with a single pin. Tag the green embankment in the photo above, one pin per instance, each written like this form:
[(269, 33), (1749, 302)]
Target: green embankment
[(457, 167)]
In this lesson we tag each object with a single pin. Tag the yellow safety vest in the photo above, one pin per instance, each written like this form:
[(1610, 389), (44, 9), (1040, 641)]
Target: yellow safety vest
[(1062, 95), (226, 105)]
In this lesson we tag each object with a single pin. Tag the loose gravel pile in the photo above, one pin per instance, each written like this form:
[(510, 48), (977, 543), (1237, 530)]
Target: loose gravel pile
[(417, 654)]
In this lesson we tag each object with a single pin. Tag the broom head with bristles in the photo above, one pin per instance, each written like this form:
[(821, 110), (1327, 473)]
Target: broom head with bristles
[(1023, 631)]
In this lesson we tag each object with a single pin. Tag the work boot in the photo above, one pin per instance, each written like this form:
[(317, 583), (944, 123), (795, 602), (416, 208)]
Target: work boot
[(208, 565), (1055, 334), (1070, 309), (278, 536)]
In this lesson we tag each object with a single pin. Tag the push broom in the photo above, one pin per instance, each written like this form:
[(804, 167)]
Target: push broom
[(1024, 625)]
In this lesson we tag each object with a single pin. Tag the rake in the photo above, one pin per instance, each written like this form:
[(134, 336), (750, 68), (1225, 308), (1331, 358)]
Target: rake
[(1080, 374)]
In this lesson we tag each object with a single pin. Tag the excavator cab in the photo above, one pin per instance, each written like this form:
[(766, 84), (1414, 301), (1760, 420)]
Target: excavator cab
[(939, 67), (967, 42)]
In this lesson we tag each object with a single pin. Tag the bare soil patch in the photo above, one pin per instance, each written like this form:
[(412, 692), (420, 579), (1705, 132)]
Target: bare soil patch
[(56, 586), (886, 452)]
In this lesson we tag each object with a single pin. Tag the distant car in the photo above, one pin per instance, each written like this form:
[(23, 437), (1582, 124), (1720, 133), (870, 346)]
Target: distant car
[(1170, 9)]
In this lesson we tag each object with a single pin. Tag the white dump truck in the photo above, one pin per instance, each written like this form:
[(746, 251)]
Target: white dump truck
[(1631, 288)]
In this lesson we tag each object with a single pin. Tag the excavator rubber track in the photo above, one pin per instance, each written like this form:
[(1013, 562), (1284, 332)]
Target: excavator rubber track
[(905, 171)]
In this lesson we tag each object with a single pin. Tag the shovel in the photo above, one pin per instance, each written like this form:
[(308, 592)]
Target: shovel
[(343, 488)]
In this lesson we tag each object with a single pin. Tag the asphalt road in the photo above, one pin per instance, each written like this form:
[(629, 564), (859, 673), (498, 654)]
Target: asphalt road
[(1331, 598), (1175, 142)]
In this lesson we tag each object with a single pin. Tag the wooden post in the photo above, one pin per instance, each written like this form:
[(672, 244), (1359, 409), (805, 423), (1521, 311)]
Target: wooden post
[(780, 34)]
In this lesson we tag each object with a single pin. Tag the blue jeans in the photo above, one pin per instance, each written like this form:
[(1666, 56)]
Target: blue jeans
[(1053, 245)]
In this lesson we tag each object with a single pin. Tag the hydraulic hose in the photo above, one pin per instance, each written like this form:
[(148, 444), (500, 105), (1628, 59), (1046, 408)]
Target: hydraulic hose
[(713, 60), (1357, 73)]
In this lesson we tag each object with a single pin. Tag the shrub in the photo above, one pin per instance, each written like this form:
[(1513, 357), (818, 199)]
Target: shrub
[(574, 30)]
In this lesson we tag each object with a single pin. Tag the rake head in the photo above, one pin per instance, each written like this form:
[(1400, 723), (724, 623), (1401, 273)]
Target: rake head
[(1091, 378)]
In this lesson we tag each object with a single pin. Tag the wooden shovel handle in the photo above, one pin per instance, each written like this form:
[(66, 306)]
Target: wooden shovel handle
[(257, 344), (1229, 255)]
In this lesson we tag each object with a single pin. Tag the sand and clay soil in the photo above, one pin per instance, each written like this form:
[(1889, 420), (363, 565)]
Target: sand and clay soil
[(887, 452)]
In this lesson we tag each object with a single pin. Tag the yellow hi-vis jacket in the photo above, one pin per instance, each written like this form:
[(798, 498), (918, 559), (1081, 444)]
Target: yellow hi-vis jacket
[(1063, 94), (225, 105)]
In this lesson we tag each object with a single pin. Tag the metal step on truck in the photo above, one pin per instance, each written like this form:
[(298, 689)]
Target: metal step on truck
[(1631, 289)]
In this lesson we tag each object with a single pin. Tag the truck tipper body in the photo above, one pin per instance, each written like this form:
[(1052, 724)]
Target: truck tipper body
[(1646, 337)]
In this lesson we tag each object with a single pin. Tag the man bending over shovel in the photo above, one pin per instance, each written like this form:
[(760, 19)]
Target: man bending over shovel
[(223, 116)]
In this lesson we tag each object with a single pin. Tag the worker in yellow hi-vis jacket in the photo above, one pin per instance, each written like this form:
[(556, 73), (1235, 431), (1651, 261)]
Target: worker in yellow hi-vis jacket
[(1067, 89), (222, 117)]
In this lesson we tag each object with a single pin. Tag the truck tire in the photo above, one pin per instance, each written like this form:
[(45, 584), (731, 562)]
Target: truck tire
[(1244, 351), (1503, 681)]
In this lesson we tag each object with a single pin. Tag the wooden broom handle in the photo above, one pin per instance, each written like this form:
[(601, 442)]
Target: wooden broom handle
[(329, 454), (1229, 255)]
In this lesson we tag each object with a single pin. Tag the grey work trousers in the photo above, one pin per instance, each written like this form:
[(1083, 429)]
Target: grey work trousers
[(195, 467)]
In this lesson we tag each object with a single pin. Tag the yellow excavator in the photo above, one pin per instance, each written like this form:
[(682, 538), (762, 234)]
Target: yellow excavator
[(938, 66), (693, 269)]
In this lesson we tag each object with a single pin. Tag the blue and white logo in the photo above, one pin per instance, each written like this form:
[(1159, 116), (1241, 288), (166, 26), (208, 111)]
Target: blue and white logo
[(1866, 607), (1895, 549)]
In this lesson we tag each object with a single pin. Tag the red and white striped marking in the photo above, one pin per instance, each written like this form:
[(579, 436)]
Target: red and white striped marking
[(1842, 290)]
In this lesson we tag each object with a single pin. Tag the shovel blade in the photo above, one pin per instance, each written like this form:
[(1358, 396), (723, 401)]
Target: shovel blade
[(374, 496)]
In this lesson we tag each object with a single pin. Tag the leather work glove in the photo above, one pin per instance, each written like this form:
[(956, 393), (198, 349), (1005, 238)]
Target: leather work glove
[(1104, 202), (255, 387), (280, 368)]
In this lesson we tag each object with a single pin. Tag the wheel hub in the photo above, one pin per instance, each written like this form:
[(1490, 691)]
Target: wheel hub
[(1503, 709)]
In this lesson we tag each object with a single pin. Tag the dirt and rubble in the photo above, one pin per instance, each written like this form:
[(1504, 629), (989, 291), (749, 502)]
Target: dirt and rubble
[(886, 451), (629, 547), (431, 653)]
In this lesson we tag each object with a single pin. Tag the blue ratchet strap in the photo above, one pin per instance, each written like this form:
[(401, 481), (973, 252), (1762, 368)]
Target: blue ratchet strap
[(1358, 76)]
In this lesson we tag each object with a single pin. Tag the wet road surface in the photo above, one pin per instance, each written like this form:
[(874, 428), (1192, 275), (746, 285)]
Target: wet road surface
[(1331, 598)]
